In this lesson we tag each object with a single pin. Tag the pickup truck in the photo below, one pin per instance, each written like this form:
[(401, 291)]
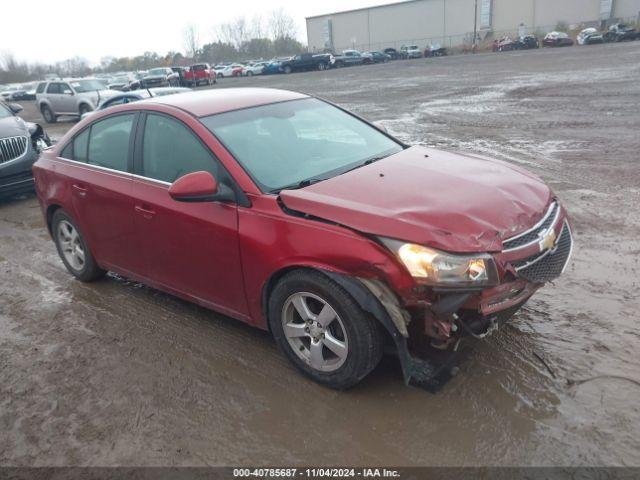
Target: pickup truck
[(348, 58), (200, 73), (307, 61)]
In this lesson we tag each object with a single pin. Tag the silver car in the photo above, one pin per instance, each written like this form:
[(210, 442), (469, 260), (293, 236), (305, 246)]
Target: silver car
[(73, 97)]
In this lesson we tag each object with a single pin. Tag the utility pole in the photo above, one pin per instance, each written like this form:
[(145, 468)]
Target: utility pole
[(475, 26)]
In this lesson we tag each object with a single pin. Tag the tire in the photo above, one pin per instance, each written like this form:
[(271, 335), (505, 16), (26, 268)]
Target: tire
[(84, 108), (348, 330), (67, 236), (322, 66), (47, 114), (287, 69), (249, 73), (221, 75)]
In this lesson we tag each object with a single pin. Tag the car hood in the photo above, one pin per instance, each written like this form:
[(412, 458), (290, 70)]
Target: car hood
[(12, 127), (454, 202)]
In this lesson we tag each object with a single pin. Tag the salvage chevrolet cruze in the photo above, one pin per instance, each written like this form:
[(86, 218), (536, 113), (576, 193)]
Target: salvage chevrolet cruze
[(296, 216)]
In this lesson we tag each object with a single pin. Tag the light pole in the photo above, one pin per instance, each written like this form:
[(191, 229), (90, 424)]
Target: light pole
[(475, 25)]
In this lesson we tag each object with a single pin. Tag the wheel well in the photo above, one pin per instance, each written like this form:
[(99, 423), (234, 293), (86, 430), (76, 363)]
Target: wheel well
[(270, 285), (51, 209), (84, 104)]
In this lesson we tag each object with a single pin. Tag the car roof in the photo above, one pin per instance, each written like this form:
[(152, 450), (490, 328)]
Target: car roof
[(210, 102)]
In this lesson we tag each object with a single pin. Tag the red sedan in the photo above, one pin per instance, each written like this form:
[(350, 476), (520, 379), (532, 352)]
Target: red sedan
[(294, 215)]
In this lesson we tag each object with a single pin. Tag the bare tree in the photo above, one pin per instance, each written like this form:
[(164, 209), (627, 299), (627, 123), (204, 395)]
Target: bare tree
[(282, 25), (191, 41)]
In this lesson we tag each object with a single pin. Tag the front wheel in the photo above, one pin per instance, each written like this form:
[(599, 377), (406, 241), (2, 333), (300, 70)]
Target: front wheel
[(322, 330), (73, 249), (287, 69), (48, 115), (84, 108)]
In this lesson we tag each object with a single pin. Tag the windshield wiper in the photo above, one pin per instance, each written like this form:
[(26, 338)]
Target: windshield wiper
[(368, 161), (297, 185)]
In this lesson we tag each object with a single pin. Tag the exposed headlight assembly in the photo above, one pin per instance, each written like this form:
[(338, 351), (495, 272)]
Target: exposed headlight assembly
[(437, 268)]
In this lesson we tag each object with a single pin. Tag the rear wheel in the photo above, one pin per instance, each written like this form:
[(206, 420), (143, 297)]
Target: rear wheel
[(73, 249), (322, 66), (287, 69), (249, 73), (322, 330), (48, 115)]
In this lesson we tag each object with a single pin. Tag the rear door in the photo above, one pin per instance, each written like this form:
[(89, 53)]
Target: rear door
[(101, 186), (54, 96), (187, 248)]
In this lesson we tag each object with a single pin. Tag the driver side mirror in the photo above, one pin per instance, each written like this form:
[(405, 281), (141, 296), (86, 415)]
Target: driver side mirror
[(15, 107), (200, 187)]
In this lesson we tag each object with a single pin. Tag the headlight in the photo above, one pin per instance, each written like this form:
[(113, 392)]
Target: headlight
[(433, 267)]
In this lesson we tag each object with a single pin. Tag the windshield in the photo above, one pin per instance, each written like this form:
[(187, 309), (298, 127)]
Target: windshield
[(287, 144), (122, 79), (157, 71), (5, 112), (81, 86)]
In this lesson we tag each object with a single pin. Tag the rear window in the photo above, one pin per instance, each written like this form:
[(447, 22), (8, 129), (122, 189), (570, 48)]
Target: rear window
[(198, 68)]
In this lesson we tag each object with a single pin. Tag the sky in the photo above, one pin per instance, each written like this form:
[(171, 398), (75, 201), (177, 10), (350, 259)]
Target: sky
[(55, 31)]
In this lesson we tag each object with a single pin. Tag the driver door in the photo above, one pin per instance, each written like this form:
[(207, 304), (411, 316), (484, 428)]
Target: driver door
[(190, 249)]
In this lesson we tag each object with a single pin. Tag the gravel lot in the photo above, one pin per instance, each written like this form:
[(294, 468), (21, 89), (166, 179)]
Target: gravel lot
[(115, 373)]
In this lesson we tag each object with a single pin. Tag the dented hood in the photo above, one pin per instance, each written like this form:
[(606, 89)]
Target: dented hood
[(450, 201)]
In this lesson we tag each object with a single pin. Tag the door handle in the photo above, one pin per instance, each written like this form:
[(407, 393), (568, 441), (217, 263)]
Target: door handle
[(80, 189), (145, 211)]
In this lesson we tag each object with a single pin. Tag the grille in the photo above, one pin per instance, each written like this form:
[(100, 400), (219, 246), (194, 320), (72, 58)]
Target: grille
[(533, 235), (12, 148), (549, 264)]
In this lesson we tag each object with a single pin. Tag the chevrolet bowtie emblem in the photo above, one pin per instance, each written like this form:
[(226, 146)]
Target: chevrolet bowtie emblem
[(548, 242)]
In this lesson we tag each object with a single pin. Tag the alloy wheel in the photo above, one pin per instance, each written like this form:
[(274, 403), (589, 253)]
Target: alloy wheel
[(315, 331), (71, 245)]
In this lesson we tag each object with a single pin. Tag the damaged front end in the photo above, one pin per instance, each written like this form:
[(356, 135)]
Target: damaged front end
[(39, 138), (428, 324)]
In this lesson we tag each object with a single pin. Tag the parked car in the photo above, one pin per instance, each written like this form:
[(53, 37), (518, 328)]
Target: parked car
[(557, 39), (358, 251), (376, 57), (620, 32), (30, 91), (121, 82), (233, 70), (256, 68), (137, 95), (20, 144), (307, 61), (504, 44), (526, 42), (200, 74), (393, 53), (273, 67), (435, 50), (73, 97), (411, 51), (160, 77), (7, 94), (589, 36), (348, 58)]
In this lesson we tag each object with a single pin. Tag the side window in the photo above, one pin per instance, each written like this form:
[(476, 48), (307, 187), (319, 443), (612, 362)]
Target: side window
[(80, 146), (170, 150), (40, 88), (109, 142), (53, 88), (65, 88)]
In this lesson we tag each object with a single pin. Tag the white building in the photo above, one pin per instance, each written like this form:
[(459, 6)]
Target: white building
[(451, 22)]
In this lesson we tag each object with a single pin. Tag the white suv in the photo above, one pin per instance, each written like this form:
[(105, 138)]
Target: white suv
[(73, 97), (411, 51)]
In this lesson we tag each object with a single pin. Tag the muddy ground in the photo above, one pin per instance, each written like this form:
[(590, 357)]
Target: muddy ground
[(114, 373)]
